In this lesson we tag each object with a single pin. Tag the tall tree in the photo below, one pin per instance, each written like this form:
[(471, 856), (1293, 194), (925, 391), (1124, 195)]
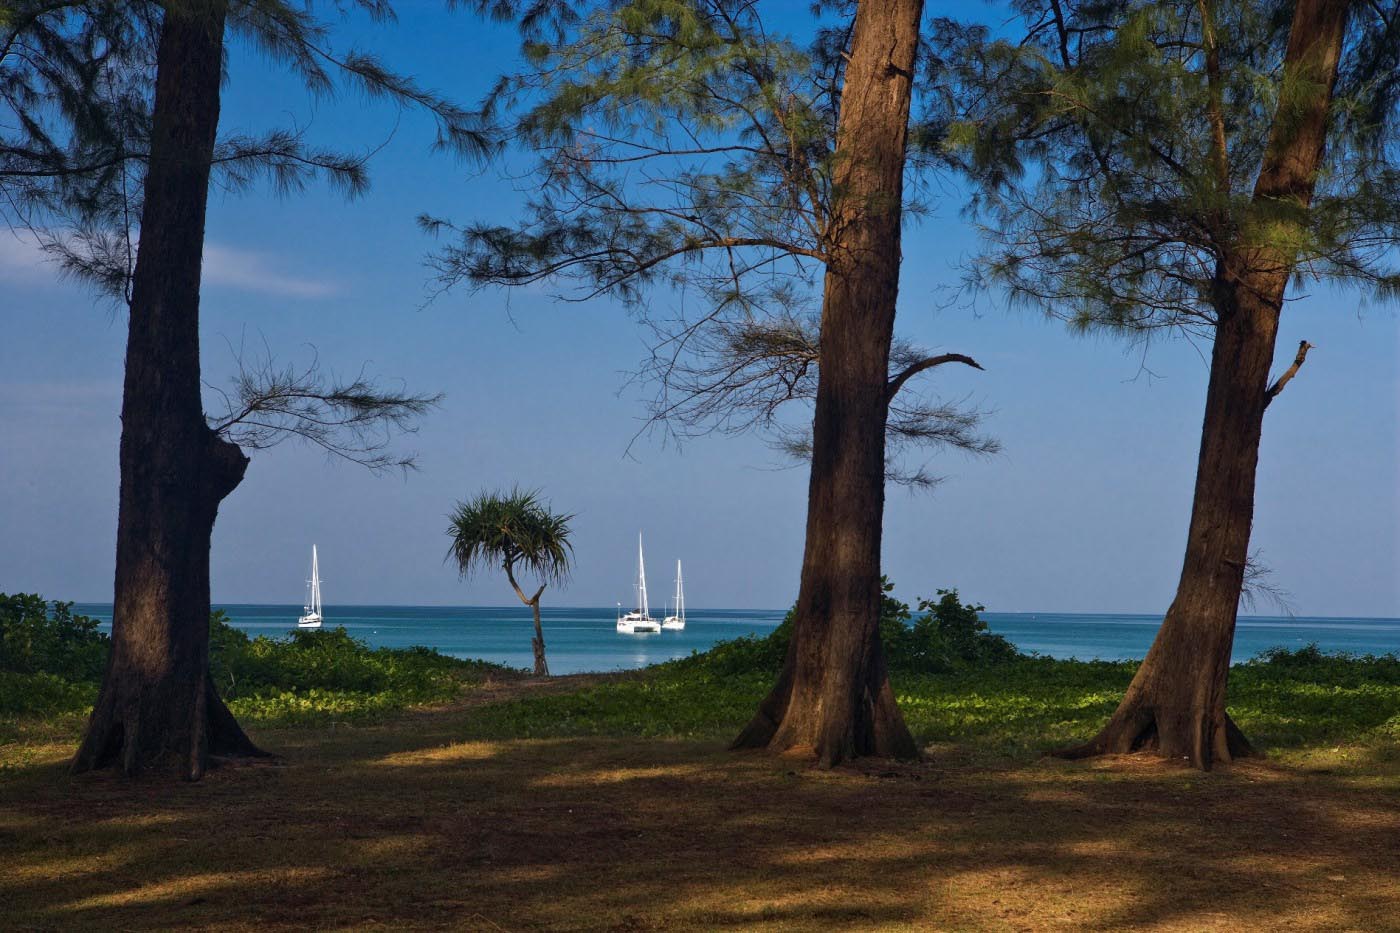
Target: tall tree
[(689, 148), (834, 695), (157, 700), (140, 141), (515, 531), (1190, 160)]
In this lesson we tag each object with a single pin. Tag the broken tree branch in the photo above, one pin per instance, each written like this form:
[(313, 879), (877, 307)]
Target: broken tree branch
[(1289, 373)]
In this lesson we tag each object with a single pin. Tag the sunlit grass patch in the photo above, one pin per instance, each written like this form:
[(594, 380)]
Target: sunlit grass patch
[(186, 886), (453, 752)]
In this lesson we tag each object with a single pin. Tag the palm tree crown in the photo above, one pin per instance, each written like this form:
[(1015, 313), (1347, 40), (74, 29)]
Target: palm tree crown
[(507, 530)]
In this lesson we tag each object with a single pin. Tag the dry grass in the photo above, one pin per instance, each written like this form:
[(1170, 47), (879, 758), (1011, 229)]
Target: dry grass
[(416, 824)]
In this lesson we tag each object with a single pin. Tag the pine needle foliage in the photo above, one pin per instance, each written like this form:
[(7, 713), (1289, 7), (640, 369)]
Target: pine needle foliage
[(1116, 146), (76, 92), (353, 418), (686, 157), (76, 89)]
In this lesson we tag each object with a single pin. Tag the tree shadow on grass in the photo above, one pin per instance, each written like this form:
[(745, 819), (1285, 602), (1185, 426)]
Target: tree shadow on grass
[(424, 822)]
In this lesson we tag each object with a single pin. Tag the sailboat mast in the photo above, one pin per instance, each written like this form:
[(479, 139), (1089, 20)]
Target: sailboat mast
[(680, 594), (641, 574), (315, 582)]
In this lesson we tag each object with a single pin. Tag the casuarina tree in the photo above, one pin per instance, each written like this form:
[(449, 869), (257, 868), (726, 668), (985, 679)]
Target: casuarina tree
[(143, 144), (1180, 165), (690, 152), (514, 531)]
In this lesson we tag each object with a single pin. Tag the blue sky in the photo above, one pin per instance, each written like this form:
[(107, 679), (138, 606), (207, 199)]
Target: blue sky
[(1085, 509)]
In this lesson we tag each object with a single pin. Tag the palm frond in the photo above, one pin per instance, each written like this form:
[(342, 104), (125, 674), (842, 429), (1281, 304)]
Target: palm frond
[(511, 530)]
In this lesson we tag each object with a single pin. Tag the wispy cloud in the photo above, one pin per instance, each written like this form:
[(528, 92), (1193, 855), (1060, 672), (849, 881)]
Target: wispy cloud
[(21, 259), (256, 272), (23, 262)]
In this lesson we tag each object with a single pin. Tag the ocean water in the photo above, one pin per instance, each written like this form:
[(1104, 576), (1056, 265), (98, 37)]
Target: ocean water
[(586, 640), (1106, 637)]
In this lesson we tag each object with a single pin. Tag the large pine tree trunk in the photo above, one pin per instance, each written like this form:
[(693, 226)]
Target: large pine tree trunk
[(157, 705), (833, 700), (1175, 705)]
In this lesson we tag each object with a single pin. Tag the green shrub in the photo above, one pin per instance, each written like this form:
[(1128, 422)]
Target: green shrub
[(43, 694), (327, 673), (52, 661), (47, 638), (1312, 664), (746, 654), (948, 636)]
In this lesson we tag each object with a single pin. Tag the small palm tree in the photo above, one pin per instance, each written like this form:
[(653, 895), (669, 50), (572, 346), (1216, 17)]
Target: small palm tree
[(513, 530)]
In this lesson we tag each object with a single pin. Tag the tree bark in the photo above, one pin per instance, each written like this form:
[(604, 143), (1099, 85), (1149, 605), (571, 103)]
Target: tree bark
[(833, 700), (541, 667), (1175, 705), (157, 706), (536, 643)]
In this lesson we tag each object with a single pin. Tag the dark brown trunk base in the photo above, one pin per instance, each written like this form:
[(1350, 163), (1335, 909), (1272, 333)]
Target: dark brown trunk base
[(1199, 739), (874, 728), (117, 737)]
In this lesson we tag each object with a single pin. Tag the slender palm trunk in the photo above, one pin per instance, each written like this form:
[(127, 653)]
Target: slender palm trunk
[(1175, 705), (537, 643), (541, 666), (157, 705), (833, 700)]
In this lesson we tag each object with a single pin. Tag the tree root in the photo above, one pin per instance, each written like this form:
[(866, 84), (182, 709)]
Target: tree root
[(1190, 737), (119, 738), (877, 730)]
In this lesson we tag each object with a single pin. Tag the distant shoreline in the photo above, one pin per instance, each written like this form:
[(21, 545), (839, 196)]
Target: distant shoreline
[(584, 639)]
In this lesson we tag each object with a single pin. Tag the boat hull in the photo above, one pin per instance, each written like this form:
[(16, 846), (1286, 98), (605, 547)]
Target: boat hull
[(637, 626)]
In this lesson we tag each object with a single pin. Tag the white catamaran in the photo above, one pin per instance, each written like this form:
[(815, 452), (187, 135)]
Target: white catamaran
[(312, 614), (676, 622), (639, 619)]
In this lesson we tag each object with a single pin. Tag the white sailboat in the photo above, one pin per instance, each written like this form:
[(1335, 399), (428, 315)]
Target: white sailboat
[(639, 619), (311, 617), (676, 622)]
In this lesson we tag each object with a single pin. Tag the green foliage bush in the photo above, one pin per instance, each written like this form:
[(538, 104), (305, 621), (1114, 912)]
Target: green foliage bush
[(43, 694), (1311, 663), (948, 635), (327, 673), (37, 637), (52, 663)]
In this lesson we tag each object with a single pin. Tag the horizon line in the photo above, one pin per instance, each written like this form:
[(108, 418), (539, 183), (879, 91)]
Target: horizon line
[(1098, 612)]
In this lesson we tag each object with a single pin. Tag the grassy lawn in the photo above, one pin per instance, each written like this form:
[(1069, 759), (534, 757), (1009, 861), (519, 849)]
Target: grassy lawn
[(596, 802)]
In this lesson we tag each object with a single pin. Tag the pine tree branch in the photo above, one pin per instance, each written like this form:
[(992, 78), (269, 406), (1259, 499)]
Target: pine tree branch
[(913, 370), (1289, 373), (355, 419)]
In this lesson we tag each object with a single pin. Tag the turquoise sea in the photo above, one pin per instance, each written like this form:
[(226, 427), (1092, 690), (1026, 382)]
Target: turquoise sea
[(586, 640)]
